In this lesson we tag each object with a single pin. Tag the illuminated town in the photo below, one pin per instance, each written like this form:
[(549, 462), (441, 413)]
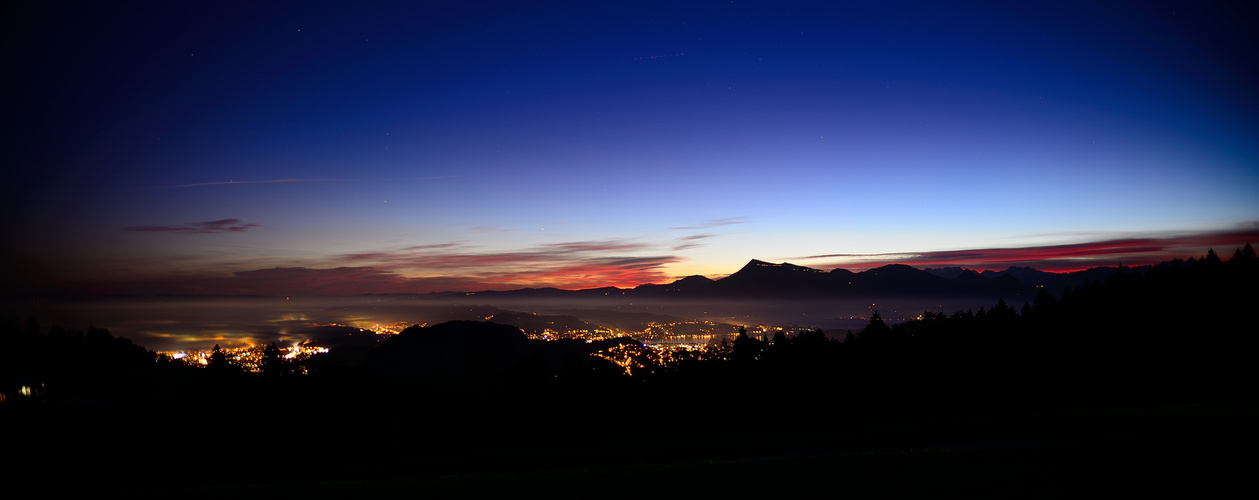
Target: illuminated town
[(656, 344), (249, 358)]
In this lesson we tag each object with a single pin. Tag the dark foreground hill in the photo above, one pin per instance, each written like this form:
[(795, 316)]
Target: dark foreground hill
[(460, 357)]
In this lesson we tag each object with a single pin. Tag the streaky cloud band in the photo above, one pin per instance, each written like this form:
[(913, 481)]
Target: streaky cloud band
[(208, 227), (1072, 255), (728, 221)]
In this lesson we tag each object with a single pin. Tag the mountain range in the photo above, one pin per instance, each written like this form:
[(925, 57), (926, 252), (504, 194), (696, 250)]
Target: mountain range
[(765, 280)]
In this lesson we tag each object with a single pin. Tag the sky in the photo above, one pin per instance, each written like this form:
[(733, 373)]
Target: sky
[(324, 148)]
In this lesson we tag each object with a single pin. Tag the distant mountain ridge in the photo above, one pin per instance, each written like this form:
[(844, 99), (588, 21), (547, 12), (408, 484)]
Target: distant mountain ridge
[(766, 280), (1025, 275)]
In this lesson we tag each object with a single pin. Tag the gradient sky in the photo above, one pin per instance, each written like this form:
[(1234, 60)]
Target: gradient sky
[(330, 147)]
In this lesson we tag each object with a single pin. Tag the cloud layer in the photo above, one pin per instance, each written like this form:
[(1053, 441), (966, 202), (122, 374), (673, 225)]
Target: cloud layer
[(418, 269), (208, 227), (1066, 257), (578, 264)]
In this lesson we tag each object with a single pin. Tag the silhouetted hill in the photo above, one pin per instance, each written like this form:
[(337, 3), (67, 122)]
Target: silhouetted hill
[(460, 356), (900, 279), (452, 353), (336, 336), (760, 279), (1025, 275), (971, 280), (765, 280), (529, 292), (537, 324), (1005, 285), (945, 272), (690, 285), (1077, 279)]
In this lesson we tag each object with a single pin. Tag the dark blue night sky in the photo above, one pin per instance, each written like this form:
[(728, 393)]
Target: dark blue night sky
[(175, 147)]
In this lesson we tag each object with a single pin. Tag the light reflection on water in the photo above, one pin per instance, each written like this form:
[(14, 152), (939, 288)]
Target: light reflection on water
[(177, 323)]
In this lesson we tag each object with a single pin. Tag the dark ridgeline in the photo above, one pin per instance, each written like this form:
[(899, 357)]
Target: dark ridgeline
[(1173, 339), (472, 357), (71, 367), (761, 280)]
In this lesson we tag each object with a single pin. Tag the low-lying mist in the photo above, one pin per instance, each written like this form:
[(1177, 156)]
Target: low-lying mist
[(187, 322)]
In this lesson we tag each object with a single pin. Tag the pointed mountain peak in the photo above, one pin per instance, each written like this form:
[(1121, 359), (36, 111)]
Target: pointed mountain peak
[(755, 263), (762, 265)]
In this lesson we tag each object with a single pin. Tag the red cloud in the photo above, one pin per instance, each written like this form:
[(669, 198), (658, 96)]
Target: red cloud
[(1068, 257), (547, 255), (575, 265), (591, 273), (280, 281)]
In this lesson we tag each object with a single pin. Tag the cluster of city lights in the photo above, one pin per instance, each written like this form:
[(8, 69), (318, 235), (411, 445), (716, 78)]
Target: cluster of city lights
[(656, 345), (247, 357)]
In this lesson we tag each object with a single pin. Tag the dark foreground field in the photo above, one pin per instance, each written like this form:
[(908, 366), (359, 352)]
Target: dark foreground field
[(1100, 453)]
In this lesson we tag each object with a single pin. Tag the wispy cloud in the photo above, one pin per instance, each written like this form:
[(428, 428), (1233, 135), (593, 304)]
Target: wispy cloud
[(1063, 257), (594, 246), (209, 227), (691, 241), (576, 264), (300, 281), (728, 221), (499, 271), (434, 246), (269, 181), (489, 229)]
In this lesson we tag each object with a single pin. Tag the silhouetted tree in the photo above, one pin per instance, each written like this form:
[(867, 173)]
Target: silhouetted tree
[(218, 360), (746, 349), (1246, 253), (1212, 258), (876, 331), (272, 363)]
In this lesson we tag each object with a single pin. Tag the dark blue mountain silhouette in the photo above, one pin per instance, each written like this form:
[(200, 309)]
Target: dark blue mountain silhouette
[(765, 280)]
